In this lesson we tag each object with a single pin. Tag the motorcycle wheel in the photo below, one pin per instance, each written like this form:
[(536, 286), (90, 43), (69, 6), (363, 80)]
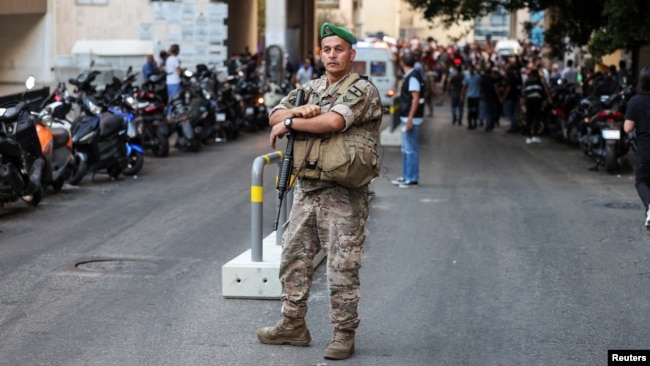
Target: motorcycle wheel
[(78, 173), (35, 198), (611, 165), (136, 161), (161, 149)]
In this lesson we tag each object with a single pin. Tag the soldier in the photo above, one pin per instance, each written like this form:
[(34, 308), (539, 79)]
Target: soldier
[(326, 215)]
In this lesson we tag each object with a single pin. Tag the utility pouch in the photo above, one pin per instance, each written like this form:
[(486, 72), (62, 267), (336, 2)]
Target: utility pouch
[(306, 152), (350, 160)]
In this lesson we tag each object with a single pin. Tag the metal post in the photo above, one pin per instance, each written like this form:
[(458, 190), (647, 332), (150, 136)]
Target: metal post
[(257, 199)]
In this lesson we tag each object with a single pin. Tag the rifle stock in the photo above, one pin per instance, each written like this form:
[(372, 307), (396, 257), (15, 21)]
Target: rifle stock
[(287, 166)]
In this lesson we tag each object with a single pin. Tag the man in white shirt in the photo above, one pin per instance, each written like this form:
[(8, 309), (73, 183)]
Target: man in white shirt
[(305, 72), (570, 74), (173, 69)]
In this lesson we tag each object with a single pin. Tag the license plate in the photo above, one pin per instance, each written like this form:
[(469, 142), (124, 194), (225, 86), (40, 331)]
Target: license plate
[(249, 111), (221, 117), (611, 134)]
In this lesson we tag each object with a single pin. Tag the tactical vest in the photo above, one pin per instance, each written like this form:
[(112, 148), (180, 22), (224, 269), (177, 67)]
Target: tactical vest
[(347, 158)]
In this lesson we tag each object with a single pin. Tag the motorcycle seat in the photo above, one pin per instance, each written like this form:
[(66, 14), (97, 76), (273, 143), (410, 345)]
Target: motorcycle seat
[(110, 125)]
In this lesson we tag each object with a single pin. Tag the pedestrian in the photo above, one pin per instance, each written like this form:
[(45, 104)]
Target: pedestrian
[(534, 94), (637, 118), (149, 67), (173, 69), (430, 82), (570, 73), (305, 72), (472, 93), (326, 215), (234, 64), (623, 74), (490, 95), (455, 89), (510, 97), (556, 74), (411, 111), (162, 57)]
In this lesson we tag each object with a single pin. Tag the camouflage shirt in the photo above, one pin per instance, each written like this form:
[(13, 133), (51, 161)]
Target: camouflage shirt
[(359, 105)]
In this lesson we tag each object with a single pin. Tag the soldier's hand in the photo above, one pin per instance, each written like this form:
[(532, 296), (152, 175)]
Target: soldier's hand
[(277, 131), (307, 111)]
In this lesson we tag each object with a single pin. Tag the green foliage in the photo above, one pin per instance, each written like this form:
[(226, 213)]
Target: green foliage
[(604, 25)]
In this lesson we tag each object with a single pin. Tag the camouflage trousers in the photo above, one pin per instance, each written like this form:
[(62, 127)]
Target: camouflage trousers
[(332, 219)]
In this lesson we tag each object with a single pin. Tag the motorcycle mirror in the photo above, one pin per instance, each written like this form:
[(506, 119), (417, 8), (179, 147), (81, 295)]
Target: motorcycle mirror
[(30, 82)]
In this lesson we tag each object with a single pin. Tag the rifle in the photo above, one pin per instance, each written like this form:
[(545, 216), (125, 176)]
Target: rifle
[(287, 165)]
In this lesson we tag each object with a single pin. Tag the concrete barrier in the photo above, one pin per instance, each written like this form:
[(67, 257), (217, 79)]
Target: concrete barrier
[(254, 274)]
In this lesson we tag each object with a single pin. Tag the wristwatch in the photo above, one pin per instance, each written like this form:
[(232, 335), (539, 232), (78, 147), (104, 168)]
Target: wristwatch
[(288, 122)]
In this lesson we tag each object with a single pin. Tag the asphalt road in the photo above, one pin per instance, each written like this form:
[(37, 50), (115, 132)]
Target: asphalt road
[(507, 254)]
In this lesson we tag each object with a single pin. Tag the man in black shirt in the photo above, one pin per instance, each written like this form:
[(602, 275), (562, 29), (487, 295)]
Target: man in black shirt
[(510, 97), (535, 93), (491, 97), (637, 117)]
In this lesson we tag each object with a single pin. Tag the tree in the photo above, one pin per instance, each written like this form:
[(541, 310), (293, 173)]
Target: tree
[(604, 25)]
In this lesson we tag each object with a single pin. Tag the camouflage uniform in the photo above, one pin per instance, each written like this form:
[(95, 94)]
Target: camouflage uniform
[(327, 216)]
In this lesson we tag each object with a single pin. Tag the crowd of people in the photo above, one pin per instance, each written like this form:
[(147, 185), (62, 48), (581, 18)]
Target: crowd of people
[(482, 85)]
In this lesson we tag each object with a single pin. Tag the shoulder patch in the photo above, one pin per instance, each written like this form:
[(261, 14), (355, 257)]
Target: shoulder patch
[(352, 96), (355, 91)]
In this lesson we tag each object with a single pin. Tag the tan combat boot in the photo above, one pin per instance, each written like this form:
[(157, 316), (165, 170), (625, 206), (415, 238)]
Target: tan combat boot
[(341, 345), (286, 331)]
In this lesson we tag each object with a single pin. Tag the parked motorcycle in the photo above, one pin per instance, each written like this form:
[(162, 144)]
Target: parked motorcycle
[(150, 125), (565, 98), (229, 108), (156, 84), (99, 137), (56, 145), (255, 113), (21, 158), (186, 114), (212, 127), (59, 104), (274, 93), (601, 135)]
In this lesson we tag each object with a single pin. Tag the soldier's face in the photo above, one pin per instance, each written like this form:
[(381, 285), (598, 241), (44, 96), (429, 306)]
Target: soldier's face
[(337, 55)]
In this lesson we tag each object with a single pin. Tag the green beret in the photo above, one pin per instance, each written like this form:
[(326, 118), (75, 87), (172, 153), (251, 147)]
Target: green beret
[(329, 29)]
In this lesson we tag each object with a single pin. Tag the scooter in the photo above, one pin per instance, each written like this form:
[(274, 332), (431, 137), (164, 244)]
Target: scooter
[(21, 158), (56, 145), (100, 142), (151, 126), (186, 114)]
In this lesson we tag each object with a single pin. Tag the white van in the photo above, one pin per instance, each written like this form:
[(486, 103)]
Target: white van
[(508, 47), (378, 65)]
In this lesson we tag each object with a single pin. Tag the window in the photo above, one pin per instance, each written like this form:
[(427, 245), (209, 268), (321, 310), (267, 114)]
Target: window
[(377, 68), (359, 67)]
